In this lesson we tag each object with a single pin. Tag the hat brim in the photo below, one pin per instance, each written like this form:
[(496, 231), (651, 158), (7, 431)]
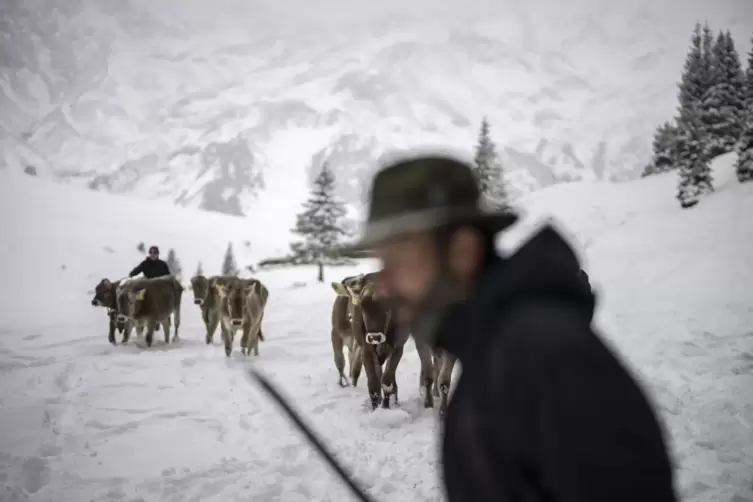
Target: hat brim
[(379, 232)]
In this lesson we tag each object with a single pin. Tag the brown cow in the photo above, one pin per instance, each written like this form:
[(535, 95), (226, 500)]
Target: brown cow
[(105, 295), (354, 290), (241, 307), (342, 333), (147, 302), (208, 301)]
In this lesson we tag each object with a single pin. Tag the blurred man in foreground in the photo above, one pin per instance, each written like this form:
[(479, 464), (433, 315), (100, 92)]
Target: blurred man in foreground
[(543, 410)]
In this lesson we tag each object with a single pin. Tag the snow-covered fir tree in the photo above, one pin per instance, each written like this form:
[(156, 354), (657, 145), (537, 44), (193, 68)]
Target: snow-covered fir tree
[(174, 264), (489, 169), (749, 81), (199, 270), (320, 224), (744, 164), (229, 265), (692, 160), (693, 83), (724, 103), (663, 147)]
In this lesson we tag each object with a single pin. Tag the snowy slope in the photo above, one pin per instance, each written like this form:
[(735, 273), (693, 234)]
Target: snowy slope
[(82, 420), (208, 103)]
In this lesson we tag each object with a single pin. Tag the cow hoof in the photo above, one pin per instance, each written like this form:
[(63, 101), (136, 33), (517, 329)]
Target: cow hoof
[(343, 382), (112, 341)]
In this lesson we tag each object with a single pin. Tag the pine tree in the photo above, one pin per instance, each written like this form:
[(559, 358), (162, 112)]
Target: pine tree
[(199, 270), (664, 150), (744, 164), (141, 248), (229, 266), (174, 264), (692, 83), (489, 169), (691, 87), (749, 82), (723, 104), (692, 160), (320, 224)]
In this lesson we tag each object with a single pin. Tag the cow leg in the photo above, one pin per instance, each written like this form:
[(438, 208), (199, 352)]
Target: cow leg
[(245, 347), (111, 332), (150, 328), (373, 375), (256, 337), (176, 320), (356, 364), (228, 336), (443, 381), (389, 384), (437, 359), (128, 326), (166, 329), (212, 323), (337, 352), (427, 373)]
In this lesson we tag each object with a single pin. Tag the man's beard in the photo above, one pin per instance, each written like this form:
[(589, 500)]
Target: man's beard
[(426, 316)]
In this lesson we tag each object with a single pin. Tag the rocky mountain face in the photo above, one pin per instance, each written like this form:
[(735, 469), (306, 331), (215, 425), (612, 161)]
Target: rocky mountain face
[(208, 104)]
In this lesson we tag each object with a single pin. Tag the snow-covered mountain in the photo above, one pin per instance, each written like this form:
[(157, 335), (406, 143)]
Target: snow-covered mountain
[(210, 103)]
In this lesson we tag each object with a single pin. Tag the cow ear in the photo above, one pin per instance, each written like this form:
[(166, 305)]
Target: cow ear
[(140, 294), (220, 289), (250, 290), (340, 289)]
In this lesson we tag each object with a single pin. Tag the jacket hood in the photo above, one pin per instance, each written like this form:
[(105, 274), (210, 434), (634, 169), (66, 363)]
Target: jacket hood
[(544, 267)]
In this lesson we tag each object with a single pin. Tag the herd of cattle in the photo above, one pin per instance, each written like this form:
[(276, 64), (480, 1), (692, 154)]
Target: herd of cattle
[(363, 322)]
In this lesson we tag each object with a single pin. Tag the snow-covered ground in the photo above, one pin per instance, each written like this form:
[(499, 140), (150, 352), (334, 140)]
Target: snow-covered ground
[(81, 420)]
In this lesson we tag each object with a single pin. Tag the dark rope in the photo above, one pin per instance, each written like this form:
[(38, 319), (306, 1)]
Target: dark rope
[(317, 443)]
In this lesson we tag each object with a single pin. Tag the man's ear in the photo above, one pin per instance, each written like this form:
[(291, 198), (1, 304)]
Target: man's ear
[(466, 252)]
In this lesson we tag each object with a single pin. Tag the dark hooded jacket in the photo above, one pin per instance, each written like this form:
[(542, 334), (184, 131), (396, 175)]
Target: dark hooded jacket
[(544, 410), (151, 269)]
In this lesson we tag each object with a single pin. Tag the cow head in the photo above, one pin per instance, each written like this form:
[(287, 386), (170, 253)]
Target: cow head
[(104, 294), (130, 303), (235, 294), (200, 288), (376, 312)]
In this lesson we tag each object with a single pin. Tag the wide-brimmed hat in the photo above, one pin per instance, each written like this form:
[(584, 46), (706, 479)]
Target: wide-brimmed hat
[(422, 193)]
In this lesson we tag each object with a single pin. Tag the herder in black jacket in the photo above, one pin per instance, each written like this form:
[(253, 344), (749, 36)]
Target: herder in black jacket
[(543, 410), (152, 266)]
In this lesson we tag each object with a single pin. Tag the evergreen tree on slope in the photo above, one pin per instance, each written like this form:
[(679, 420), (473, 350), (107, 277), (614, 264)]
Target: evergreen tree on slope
[(744, 164), (692, 84), (663, 146), (692, 160), (723, 103), (489, 169), (749, 82), (174, 265), (321, 223), (229, 266)]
